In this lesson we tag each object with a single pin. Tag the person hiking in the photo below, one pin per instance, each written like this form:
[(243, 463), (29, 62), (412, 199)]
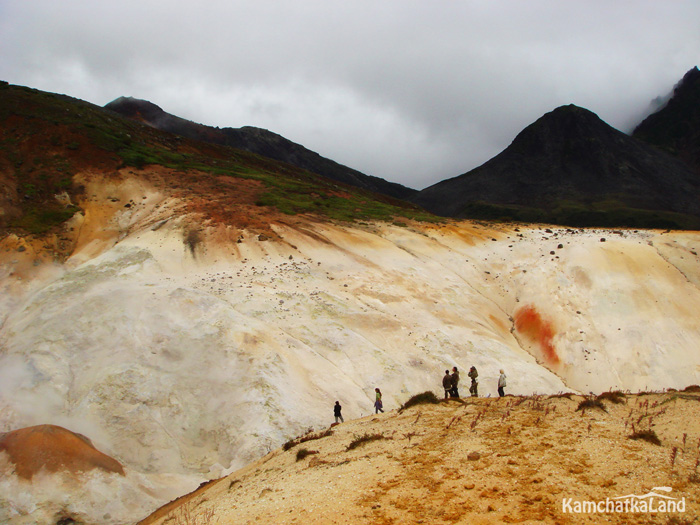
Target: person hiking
[(378, 402), (474, 388), (455, 382), (501, 384), (447, 384), (336, 411)]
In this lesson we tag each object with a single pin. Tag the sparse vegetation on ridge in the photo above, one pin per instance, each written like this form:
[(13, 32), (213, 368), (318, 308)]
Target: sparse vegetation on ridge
[(424, 398), (591, 403), (74, 133), (616, 397), (365, 438), (646, 435), (309, 436), (302, 453)]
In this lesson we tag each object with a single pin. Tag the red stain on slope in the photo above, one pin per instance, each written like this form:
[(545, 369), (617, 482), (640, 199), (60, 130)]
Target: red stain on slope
[(529, 322)]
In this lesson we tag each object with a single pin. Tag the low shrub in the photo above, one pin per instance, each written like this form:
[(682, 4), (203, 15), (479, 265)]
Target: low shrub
[(303, 452), (615, 397), (567, 395), (308, 437), (361, 440), (646, 435), (692, 388), (427, 397), (591, 403)]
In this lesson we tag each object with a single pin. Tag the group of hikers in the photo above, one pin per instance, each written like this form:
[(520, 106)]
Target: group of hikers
[(450, 383)]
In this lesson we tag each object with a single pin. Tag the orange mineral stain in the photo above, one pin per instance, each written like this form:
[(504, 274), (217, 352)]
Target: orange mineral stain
[(529, 322)]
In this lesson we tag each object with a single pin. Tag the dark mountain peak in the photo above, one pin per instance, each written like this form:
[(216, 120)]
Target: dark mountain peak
[(675, 128), (570, 167), (691, 78), (560, 126), (135, 108)]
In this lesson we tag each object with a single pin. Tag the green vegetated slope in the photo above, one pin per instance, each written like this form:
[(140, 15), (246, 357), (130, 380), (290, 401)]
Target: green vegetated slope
[(45, 139)]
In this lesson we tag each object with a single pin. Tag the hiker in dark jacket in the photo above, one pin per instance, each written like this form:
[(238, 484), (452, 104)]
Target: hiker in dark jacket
[(474, 388), (447, 384), (455, 382), (336, 411)]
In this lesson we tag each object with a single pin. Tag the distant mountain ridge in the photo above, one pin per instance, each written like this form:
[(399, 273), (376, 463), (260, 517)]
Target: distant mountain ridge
[(259, 141), (569, 167)]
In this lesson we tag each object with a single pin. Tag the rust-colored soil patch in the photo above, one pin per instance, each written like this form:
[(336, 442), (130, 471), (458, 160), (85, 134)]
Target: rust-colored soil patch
[(530, 323), (54, 449)]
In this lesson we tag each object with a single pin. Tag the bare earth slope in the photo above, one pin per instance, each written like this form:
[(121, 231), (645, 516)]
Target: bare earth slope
[(510, 460)]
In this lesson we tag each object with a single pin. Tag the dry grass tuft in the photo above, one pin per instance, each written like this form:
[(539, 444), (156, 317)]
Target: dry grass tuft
[(567, 395), (591, 403), (616, 397), (646, 435), (366, 438), (425, 398), (304, 452), (308, 437)]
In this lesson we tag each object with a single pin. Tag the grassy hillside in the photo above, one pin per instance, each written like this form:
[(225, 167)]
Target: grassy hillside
[(45, 139)]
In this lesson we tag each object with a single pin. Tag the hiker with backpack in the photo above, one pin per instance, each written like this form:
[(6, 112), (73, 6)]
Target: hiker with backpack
[(474, 388)]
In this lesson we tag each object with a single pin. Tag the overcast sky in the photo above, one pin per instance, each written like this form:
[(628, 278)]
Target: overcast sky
[(411, 91)]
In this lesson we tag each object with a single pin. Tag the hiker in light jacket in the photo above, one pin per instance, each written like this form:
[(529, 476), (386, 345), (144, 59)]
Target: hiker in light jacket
[(501, 384)]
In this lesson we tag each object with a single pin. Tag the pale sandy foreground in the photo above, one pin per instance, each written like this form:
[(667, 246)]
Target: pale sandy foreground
[(510, 460)]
